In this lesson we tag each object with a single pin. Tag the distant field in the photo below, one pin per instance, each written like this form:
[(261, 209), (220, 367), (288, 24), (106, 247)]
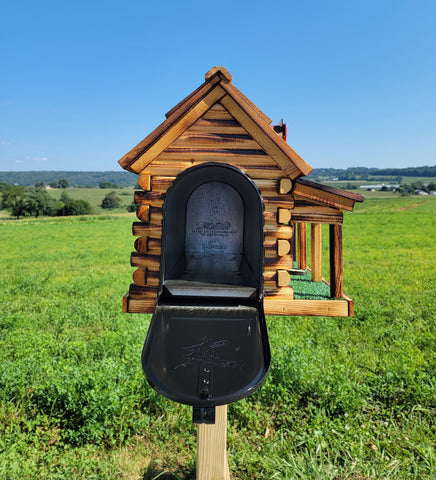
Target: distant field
[(374, 181), (345, 398), (95, 196)]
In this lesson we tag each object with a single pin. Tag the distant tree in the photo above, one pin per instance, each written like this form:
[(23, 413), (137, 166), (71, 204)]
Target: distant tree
[(39, 185), (63, 183), (106, 184), (132, 207), (406, 189), (75, 207), (111, 200), (38, 202), (13, 199)]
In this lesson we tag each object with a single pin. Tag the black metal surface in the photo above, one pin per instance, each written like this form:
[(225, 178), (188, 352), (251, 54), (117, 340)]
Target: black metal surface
[(206, 355), (207, 344), (203, 415)]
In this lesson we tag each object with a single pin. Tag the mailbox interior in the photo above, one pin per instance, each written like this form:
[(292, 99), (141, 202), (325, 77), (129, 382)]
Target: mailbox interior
[(212, 242)]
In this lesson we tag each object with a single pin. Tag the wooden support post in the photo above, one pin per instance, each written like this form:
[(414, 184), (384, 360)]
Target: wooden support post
[(293, 251), (336, 262), (316, 252), (302, 246), (212, 461)]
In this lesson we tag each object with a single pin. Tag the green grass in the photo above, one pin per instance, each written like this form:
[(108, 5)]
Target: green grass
[(345, 398)]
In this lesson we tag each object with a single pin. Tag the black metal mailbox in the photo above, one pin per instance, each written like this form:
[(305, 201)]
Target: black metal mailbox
[(207, 344)]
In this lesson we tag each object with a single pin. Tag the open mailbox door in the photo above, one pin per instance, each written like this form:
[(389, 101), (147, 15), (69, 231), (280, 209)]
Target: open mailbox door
[(207, 344)]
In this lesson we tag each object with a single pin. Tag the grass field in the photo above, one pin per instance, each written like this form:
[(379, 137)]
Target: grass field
[(346, 398)]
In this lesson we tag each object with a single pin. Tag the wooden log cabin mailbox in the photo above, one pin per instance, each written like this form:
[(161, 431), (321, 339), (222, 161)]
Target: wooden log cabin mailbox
[(222, 213)]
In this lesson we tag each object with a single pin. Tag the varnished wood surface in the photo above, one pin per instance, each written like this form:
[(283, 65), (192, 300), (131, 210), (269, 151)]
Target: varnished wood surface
[(141, 244), (278, 263), (272, 306), (278, 231), (155, 199), (144, 276), (209, 125), (148, 245), (336, 261), (316, 252), (279, 201), (143, 213), (145, 260), (172, 169), (137, 291), (144, 182), (325, 195), (140, 229), (302, 245), (324, 308), (283, 278), (204, 140), (274, 291), (217, 112), (140, 276), (313, 213), (222, 71), (356, 197), (283, 247), (285, 186), (135, 305), (283, 215)]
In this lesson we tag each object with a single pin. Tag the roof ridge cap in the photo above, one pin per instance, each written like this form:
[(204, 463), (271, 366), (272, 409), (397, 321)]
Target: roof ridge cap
[(223, 73)]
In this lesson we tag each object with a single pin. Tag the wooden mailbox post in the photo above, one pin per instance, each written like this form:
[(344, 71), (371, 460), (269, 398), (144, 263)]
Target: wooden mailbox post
[(217, 123)]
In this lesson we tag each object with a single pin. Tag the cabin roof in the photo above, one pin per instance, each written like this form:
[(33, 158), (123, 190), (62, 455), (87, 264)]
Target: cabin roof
[(218, 86), (326, 195)]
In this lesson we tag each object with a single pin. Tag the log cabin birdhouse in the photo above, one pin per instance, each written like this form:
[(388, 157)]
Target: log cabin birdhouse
[(214, 145)]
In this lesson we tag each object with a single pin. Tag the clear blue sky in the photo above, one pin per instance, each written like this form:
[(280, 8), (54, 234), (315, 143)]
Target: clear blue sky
[(82, 82)]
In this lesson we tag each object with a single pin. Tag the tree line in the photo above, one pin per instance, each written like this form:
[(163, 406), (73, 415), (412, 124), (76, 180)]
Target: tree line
[(75, 179), (364, 173), (35, 201)]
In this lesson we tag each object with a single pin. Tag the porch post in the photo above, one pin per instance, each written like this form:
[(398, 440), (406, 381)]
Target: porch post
[(302, 245), (316, 251), (336, 261)]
